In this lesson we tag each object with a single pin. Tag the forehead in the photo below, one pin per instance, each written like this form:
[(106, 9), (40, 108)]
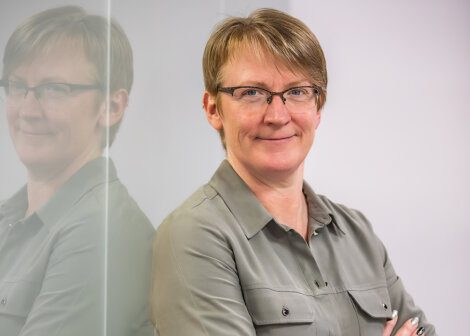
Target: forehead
[(60, 61), (251, 65)]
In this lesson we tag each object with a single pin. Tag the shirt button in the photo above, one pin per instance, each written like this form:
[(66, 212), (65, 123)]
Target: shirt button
[(385, 306), (4, 301), (285, 311)]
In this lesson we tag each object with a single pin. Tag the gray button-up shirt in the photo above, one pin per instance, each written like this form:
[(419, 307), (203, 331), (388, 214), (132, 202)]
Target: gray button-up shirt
[(59, 265), (224, 266)]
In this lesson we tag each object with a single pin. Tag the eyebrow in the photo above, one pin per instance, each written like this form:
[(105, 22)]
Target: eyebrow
[(302, 82), (53, 80), (42, 81), (15, 78)]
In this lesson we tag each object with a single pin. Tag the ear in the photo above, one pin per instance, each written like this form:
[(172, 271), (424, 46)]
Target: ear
[(317, 118), (212, 114), (117, 105)]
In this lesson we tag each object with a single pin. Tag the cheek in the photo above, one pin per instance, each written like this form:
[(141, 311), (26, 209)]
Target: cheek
[(83, 119), (249, 125), (316, 119), (12, 115), (306, 123), (232, 127)]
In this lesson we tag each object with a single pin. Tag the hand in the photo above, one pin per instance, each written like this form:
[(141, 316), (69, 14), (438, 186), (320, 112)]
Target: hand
[(409, 328)]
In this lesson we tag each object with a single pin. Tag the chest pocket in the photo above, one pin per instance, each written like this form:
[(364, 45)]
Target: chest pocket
[(17, 297), (373, 308), (280, 312)]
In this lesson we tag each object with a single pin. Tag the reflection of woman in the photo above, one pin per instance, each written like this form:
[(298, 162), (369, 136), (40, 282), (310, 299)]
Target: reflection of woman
[(59, 261), (256, 251)]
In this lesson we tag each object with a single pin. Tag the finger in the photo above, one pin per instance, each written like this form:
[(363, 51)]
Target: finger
[(409, 327), (389, 325), (420, 331)]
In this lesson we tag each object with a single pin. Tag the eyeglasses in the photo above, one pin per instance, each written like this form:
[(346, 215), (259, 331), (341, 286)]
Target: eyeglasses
[(46, 93), (298, 99)]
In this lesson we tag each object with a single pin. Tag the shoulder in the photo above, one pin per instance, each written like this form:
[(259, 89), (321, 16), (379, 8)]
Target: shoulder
[(114, 198), (205, 207), (106, 208), (201, 221), (123, 208)]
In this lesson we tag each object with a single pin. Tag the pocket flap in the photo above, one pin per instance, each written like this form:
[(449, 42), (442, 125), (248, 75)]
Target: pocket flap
[(17, 298), (374, 302), (268, 306)]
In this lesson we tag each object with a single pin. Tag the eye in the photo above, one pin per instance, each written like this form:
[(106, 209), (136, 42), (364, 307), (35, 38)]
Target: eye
[(251, 92), (16, 88), (298, 92), (54, 90)]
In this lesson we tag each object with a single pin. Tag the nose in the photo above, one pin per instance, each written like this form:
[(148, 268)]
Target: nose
[(276, 111), (280, 94), (30, 106)]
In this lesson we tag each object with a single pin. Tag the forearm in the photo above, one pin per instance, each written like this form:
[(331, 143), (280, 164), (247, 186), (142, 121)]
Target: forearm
[(407, 309)]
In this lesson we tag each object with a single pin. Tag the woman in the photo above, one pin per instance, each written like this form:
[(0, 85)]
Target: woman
[(70, 237), (255, 251)]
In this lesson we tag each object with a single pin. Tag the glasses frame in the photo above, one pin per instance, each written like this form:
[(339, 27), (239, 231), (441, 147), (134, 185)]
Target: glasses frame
[(35, 89), (231, 89)]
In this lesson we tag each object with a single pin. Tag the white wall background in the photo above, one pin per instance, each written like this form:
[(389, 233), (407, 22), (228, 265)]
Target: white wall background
[(395, 142), (394, 139)]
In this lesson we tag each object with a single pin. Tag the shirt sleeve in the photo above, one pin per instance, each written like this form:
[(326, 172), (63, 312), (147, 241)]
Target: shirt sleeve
[(93, 285), (129, 267), (401, 300), (196, 289), (70, 301)]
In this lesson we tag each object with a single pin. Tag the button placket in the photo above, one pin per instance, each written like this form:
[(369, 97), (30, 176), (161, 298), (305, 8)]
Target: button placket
[(307, 262)]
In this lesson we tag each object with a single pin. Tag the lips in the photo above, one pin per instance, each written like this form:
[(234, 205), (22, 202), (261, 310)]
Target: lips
[(34, 132), (276, 138)]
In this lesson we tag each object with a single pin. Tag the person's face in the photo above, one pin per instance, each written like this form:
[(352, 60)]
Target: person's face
[(54, 133), (273, 139)]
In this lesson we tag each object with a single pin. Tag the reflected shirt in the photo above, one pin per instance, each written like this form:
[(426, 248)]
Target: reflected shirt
[(224, 266), (61, 264)]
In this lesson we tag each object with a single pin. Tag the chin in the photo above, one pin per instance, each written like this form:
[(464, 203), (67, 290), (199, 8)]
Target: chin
[(35, 163), (281, 164), (35, 156)]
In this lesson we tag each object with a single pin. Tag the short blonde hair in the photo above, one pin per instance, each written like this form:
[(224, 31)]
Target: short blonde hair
[(94, 34), (284, 37), (265, 31)]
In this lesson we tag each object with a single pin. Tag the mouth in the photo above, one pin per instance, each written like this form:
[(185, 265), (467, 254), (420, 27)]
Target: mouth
[(276, 138), (34, 132)]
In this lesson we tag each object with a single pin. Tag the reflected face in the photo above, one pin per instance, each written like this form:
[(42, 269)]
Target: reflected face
[(50, 132), (272, 138)]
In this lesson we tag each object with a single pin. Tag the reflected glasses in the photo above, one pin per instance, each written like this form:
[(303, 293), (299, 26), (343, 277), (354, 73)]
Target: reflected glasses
[(298, 99), (47, 93)]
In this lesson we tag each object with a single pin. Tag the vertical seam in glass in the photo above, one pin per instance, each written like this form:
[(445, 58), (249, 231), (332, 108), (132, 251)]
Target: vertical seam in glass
[(106, 155)]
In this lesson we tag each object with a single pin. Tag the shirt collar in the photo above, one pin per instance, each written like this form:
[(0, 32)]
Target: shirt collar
[(15, 207), (240, 200), (91, 175), (319, 213), (250, 213)]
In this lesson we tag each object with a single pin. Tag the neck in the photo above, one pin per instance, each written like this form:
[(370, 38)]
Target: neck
[(43, 182), (280, 194)]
